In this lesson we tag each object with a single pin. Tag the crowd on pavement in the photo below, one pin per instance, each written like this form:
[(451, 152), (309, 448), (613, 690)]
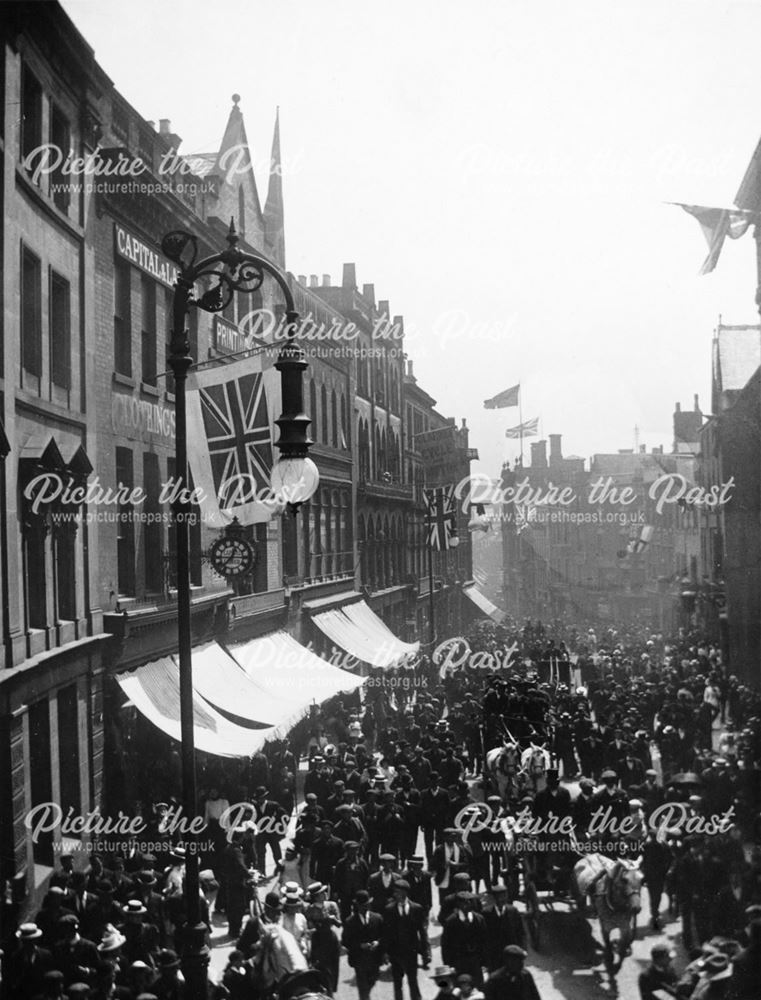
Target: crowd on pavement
[(399, 821)]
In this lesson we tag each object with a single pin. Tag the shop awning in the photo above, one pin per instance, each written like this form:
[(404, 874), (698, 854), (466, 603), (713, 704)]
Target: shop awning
[(484, 604), (154, 690), (291, 676), (358, 630), (222, 681)]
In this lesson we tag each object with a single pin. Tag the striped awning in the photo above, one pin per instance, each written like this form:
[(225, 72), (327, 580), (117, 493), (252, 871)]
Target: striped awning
[(484, 604)]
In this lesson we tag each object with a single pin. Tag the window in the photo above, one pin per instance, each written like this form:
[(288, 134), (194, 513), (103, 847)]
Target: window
[(60, 138), (153, 533), (31, 113), (334, 418), (125, 538), (65, 571), (313, 406), (122, 317), (168, 320), (68, 749), (36, 574), (60, 331), (148, 336), (324, 426), (31, 313), (344, 424)]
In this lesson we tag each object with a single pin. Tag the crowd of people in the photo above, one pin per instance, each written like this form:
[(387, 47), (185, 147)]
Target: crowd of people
[(399, 821)]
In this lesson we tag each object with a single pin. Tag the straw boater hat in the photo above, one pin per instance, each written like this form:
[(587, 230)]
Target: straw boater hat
[(28, 932), (443, 972), (134, 908)]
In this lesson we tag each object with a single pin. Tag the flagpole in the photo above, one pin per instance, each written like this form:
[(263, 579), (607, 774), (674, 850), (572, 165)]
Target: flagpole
[(430, 594), (520, 420)]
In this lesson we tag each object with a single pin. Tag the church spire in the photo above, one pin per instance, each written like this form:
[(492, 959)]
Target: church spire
[(274, 222), (237, 195)]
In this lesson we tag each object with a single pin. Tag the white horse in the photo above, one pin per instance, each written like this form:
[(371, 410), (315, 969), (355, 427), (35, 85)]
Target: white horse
[(503, 765), (615, 888), (535, 762)]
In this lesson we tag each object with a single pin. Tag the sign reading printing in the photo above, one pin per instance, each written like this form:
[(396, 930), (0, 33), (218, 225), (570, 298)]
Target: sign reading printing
[(227, 337), (137, 252)]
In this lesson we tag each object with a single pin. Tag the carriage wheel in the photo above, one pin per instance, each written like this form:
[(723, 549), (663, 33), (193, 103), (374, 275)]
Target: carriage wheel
[(532, 915)]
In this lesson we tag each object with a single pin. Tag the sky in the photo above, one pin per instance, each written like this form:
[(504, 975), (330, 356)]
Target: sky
[(499, 171)]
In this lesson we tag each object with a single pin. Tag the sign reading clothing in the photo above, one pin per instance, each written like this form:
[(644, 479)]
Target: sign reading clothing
[(136, 418), (133, 249)]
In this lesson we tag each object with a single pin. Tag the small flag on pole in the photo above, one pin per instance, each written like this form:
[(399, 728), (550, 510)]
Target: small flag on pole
[(509, 397), (529, 428), (717, 224), (442, 516)]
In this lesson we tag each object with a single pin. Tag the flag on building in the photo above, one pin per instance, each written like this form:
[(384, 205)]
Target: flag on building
[(441, 512), (509, 397), (529, 428), (524, 514), (717, 224), (639, 543), (229, 416)]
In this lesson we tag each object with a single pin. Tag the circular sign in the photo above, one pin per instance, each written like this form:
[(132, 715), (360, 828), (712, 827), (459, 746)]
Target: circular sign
[(231, 556)]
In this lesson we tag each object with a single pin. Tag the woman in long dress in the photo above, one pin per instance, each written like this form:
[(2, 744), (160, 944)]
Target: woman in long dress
[(324, 919)]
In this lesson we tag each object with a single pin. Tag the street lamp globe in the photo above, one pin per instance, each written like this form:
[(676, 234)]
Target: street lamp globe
[(294, 479), (454, 542)]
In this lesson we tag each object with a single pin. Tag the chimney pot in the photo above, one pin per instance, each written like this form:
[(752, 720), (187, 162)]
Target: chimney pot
[(350, 276), (697, 404), (678, 407), (165, 126), (326, 280), (410, 371), (313, 282)]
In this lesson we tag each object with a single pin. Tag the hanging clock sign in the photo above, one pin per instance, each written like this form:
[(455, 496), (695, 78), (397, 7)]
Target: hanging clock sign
[(232, 557)]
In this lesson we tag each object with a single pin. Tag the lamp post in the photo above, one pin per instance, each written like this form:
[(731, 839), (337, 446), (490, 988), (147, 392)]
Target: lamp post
[(295, 477)]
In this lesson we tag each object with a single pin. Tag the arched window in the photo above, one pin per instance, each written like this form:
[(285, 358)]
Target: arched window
[(325, 425), (334, 418)]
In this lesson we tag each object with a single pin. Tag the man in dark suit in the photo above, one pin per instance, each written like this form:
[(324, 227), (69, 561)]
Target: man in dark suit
[(85, 905), (503, 926), (405, 937), (236, 879), (511, 979), (434, 812), (463, 939), (380, 885), (420, 883), (349, 876), (363, 940), (27, 963), (610, 796), (75, 956), (327, 851), (649, 792), (553, 800), (630, 772)]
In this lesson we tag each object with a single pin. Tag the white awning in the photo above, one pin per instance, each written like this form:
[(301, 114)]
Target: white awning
[(357, 629), (484, 604), (290, 676), (154, 690)]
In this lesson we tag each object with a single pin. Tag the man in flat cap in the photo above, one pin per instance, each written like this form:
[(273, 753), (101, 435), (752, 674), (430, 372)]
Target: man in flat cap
[(463, 939), (511, 979)]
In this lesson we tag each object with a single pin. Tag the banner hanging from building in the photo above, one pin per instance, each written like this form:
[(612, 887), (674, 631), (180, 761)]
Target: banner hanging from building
[(229, 414), (442, 516)]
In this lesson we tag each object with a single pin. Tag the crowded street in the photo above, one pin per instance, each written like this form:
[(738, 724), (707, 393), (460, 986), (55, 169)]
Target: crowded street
[(385, 805)]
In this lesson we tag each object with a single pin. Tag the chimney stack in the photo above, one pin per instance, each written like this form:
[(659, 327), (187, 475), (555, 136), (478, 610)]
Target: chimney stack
[(302, 279), (539, 455), (383, 307), (165, 126), (326, 281), (368, 292), (410, 372), (350, 276), (313, 282), (556, 451), (696, 404)]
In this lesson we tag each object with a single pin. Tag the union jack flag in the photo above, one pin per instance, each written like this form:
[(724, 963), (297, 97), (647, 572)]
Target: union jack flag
[(238, 436), (230, 440), (442, 516)]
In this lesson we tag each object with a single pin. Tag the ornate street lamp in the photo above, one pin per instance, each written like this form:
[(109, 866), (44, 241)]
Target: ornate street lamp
[(294, 479)]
